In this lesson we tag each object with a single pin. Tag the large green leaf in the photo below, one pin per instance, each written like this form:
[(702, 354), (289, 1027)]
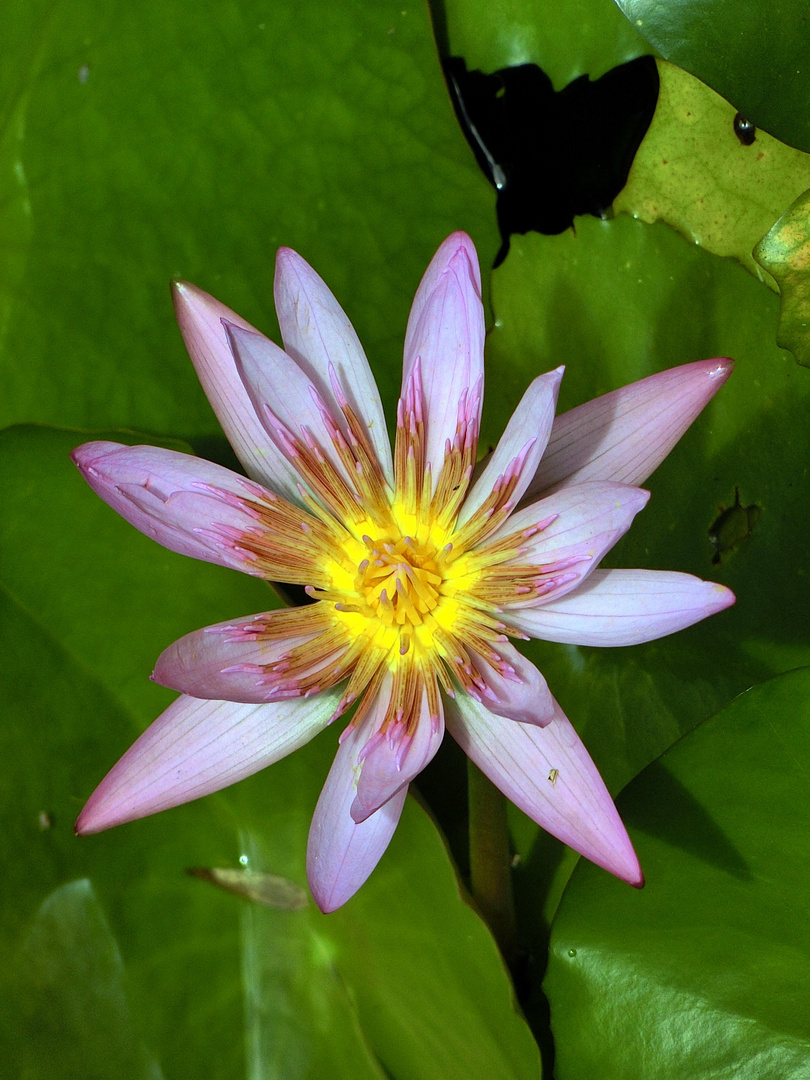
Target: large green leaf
[(754, 54), (405, 981), (77, 1001), (706, 971), (138, 142)]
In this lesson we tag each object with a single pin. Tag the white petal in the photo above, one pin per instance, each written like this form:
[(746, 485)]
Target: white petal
[(200, 317), (317, 334), (228, 661), (549, 775), (626, 434), (281, 391), (587, 520), (524, 697), (186, 504), (197, 747), (340, 853), (446, 334), (390, 761), (623, 607), (529, 428)]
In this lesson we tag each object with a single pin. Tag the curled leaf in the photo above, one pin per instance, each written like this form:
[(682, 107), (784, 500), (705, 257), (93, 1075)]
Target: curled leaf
[(784, 252)]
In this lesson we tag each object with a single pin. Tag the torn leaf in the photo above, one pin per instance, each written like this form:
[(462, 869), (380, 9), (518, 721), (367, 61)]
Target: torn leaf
[(785, 253)]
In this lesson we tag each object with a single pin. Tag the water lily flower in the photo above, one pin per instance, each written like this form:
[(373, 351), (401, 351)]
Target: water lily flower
[(420, 571)]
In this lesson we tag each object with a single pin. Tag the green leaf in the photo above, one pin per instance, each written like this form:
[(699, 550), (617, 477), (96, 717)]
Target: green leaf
[(706, 971), (580, 37), (74, 994), (755, 55), (785, 253), (142, 142), (693, 172), (405, 981)]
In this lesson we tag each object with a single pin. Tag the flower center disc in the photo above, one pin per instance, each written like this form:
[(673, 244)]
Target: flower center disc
[(400, 580)]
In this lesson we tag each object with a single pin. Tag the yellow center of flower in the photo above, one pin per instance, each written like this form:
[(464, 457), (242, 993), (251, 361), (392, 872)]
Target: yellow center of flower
[(408, 588), (400, 580)]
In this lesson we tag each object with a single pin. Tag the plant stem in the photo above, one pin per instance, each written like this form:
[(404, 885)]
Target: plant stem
[(491, 860)]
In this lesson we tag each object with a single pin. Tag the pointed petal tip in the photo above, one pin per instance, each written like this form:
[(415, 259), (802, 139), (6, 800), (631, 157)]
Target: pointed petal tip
[(326, 903), (458, 247), (719, 368), (619, 859), (289, 263), (287, 258), (721, 597), (631, 873), (192, 304), (89, 456), (240, 334), (93, 820), (459, 241)]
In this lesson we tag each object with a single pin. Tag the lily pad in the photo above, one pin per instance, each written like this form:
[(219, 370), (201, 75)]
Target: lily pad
[(706, 971), (696, 171), (138, 144), (755, 55)]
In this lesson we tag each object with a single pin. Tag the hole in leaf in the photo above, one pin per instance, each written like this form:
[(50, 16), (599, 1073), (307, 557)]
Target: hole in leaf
[(552, 155)]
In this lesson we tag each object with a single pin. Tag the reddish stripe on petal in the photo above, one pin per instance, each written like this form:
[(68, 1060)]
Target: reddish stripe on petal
[(446, 333), (184, 503), (393, 748)]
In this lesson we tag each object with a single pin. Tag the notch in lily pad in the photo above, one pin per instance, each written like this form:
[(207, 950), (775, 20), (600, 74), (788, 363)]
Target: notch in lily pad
[(784, 252), (732, 525)]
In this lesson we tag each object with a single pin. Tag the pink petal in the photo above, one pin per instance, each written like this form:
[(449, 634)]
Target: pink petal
[(200, 317), (528, 429), (340, 853), (623, 607), (626, 434), (317, 334), (184, 503), (549, 775), (197, 747), (437, 267), (446, 331), (276, 383), (226, 661), (524, 696), (390, 761), (587, 520)]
